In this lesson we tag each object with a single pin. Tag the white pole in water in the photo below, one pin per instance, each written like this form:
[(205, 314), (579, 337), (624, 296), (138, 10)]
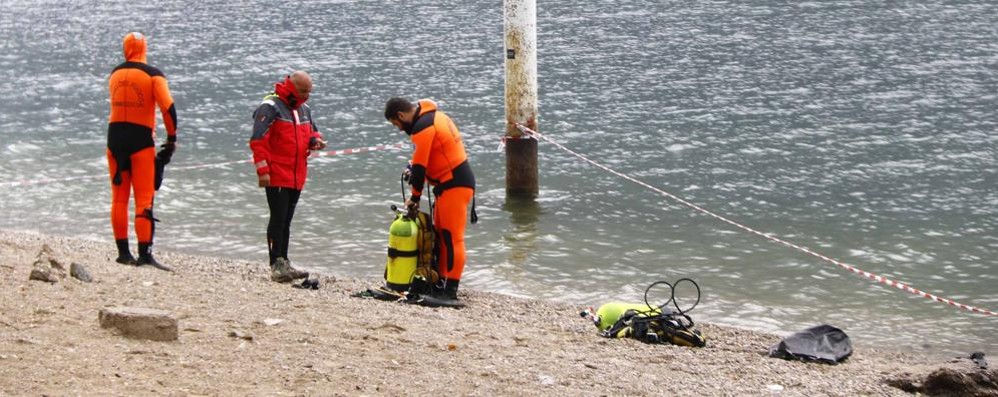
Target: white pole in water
[(521, 96)]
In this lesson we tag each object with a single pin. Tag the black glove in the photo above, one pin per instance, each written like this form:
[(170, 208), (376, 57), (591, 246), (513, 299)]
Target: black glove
[(166, 153), (168, 148), (408, 172)]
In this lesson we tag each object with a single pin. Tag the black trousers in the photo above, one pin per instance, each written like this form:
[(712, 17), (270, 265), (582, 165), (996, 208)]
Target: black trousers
[(282, 202)]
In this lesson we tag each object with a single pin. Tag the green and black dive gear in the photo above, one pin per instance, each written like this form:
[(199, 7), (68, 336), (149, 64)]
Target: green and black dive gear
[(648, 323), (411, 249), (410, 252), (410, 271)]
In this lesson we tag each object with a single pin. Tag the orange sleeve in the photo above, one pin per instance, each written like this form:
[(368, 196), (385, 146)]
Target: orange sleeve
[(423, 141), (161, 91)]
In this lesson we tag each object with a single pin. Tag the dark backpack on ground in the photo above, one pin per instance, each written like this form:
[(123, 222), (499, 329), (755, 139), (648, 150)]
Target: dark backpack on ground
[(823, 344)]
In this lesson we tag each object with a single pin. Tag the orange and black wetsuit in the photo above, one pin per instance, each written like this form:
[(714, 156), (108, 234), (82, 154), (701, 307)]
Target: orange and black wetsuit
[(135, 88), (439, 157)]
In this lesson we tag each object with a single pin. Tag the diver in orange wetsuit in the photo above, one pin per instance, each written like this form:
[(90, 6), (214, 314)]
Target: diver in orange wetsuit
[(136, 88), (439, 158)]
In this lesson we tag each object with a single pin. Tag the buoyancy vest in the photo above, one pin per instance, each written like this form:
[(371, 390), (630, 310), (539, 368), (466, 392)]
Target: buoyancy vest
[(426, 240), (282, 135)]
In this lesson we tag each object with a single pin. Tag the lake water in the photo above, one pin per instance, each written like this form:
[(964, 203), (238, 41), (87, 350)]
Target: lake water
[(863, 130)]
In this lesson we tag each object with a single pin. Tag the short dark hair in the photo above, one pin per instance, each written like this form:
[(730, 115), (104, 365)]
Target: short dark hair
[(396, 105)]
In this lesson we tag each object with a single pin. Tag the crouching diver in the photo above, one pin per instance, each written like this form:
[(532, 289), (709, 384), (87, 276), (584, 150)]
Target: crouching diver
[(284, 133), (136, 88), (439, 157)]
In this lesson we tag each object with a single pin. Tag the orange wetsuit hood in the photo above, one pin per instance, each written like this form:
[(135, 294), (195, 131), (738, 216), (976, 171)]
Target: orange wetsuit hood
[(134, 46)]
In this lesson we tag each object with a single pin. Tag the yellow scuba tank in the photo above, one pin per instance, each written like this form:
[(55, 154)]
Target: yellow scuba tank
[(608, 314), (403, 252)]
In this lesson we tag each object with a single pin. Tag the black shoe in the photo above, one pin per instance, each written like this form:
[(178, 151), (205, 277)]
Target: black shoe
[(126, 259), (309, 283), (149, 260), (312, 283)]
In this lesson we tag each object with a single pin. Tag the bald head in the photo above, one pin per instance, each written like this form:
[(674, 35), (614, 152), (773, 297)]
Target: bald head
[(303, 84)]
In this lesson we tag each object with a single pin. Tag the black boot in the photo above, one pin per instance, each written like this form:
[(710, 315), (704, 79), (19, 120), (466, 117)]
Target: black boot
[(145, 258), (124, 255), (446, 289), (451, 289)]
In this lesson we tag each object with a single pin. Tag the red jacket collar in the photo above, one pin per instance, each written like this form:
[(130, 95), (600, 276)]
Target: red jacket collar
[(288, 93)]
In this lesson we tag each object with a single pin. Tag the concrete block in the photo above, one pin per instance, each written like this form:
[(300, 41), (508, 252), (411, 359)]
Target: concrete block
[(140, 323)]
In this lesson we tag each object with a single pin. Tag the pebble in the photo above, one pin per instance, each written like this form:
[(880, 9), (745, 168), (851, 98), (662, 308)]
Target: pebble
[(546, 380), (79, 272), (240, 335)]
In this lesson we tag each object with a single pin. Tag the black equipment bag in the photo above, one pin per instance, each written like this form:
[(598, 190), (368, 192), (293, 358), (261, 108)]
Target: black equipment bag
[(823, 344)]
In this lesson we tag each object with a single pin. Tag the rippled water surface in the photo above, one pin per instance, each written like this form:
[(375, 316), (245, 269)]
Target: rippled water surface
[(862, 130)]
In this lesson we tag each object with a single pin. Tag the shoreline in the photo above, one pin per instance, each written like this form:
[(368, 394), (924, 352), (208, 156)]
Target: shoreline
[(329, 343)]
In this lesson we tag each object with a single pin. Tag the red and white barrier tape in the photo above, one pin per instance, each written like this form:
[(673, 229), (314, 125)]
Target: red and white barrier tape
[(28, 182), (360, 150), (853, 269)]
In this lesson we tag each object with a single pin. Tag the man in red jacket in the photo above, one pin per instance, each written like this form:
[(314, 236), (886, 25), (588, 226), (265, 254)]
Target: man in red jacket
[(284, 134)]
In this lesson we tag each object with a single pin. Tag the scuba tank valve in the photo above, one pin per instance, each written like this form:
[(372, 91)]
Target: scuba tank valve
[(590, 314)]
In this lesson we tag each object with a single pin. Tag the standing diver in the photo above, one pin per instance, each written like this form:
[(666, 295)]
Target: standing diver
[(284, 134), (439, 158), (135, 87)]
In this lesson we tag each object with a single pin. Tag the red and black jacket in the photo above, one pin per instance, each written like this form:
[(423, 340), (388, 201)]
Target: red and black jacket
[(283, 131)]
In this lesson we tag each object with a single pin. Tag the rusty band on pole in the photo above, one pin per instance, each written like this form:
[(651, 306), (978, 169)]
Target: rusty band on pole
[(520, 25)]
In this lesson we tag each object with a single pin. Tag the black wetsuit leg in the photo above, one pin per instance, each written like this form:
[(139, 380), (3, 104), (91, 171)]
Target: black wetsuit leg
[(282, 202)]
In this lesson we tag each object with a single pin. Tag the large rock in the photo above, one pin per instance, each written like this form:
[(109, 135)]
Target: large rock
[(45, 274), (140, 323), (47, 257), (46, 268), (950, 382)]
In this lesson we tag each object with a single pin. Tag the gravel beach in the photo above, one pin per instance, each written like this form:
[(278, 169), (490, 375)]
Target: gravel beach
[(241, 334)]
